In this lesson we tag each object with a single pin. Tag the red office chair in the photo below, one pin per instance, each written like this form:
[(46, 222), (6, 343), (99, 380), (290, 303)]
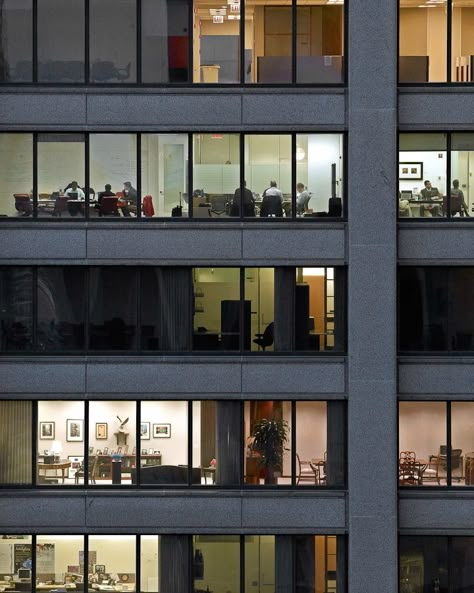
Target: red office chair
[(147, 206), (108, 206)]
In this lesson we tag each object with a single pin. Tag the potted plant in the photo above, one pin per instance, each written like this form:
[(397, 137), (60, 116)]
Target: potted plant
[(269, 439)]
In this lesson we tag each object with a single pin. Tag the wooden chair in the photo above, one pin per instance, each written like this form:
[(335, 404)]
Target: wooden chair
[(431, 473), (307, 472), (408, 470), (92, 470)]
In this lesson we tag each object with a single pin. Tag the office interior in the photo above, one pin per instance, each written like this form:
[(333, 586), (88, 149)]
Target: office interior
[(424, 157), (423, 430), (424, 39), (164, 178)]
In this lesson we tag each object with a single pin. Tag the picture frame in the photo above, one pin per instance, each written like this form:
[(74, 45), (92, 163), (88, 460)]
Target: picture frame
[(161, 431), (144, 452), (101, 431), (119, 449), (98, 452), (150, 451), (91, 450), (75, 430), (145, 431), (99, 568), (407, 171), (76, 462), (47, 431), (106, 450)]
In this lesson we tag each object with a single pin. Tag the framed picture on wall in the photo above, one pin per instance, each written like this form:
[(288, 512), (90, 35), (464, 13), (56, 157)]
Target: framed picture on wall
[(161, 431), (410, 171), (76, 462), (101, 430), (74, 430), (46, 431), (145, 431)]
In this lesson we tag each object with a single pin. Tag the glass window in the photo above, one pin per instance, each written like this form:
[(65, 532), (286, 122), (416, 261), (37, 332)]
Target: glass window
[(15, 442), (164, 162), (423, 41), (217, 311), (216, 562), (216, 175), (113, 174), (61, 309), (267, 442), (259, 292), (319, 173), (61, 41), (112, 308), (16, 41), (61, 175), (15, 550), (462, 168), (16, 309), (112, 559), (16, 174), (149, 563), (164, 443), (422, 444), (462, 459), (60, 560), (113, 41), (462, 43), (311, 443), (317, 558), (423, 564), (260, 560), (165, 44), (461, 569), (320, 42), (112, 443), (268, 172), (60, 443), (422, 173)]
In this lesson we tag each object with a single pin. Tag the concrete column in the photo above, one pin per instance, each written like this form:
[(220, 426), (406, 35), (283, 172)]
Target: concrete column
[(372, 237), (174, 574), (336, 443), (284, 568), (284, 330), (228, 443)]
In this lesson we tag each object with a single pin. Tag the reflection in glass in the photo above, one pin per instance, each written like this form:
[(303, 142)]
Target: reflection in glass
[(164, 159), (113, 41), (16, 41), (16, 309), (423, 41), (16, 174), (216, 562), (268, 173), (117, 553), (61, 176), (112, 442), (149, 563), (61, 41), (216, 175), (58, 560), (15, 442), (422, 175), (423, 564)]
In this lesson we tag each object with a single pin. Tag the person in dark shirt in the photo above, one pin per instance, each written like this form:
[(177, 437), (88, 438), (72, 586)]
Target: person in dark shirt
[(247, 201), (131, 196), (272, 203)]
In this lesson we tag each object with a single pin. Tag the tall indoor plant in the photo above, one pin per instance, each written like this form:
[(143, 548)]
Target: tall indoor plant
[(269, 439)]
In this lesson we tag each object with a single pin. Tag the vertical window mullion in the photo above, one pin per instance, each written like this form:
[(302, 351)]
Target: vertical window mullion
[(139, 175), (242, 174), (138, 450), (293, 443), (242, 42), (448, 444), (139, 45), (190, 442), (33, 563), (35, 41), (86, 42), (138, 563), (87, 309), (293, 175), (35, 309), (86, 443), (449, 40), (34, 436), (35, 175), (190, 44), (87, 178), (85, 576), (190, 174), (241, 309), (448, 175)]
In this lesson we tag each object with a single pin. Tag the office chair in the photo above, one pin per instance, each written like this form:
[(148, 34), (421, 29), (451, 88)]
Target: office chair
[(147, 206), (266, 339), (108, 206), (23, 204), (335, 207)]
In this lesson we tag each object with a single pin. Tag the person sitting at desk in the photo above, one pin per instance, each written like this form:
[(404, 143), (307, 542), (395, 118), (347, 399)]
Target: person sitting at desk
[(75, 189), (247, 201), (302, 199), (458, 193), (130, 194), (272, 203), (430, 193)]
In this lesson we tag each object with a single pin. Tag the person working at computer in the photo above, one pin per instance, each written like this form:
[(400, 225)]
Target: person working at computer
[(430, 193), (131, 197), (458, 195), (272, 203), (76, 192), (248, 202), (302, 199)]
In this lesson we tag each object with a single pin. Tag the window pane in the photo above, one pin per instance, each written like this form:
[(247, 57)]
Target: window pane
[(216, 42), (268, 44), (61, 175), (422, 443), (268, 172), (423, 41), (216, 175), (15, 442), (319, 174), (216, 562), (16, 41), (113, 174), (267, 442), (164, 175), (112, 309), (149, 549), (16, 175), (61, 41), (112, 443), (60, 443), (462, 47), (316, 563), (165, 41), (58, 560), (423, 564), (164, 443), (311, 443), (260, 564), (462, 459), (16, 549), (461, 318), (113, 41), (61, 309), (16, 309), (422, 174), (462, 163), (113, 558), (462, 567), (319, 43), (217, 309), (259, 291)]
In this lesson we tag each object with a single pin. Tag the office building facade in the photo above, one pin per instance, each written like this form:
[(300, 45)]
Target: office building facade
[(216, 231)]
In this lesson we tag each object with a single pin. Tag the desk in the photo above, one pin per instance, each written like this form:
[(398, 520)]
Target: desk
[(61, 465), (209, 471), (320, 465), (434, 202)]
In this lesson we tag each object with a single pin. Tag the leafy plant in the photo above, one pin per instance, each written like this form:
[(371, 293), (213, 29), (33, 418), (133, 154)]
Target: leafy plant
[(269, 439)]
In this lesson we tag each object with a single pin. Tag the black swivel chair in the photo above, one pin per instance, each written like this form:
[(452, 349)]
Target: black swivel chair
[(266, 339)]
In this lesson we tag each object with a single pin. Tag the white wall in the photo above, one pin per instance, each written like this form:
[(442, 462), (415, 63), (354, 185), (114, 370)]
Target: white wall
[(323, 150), (113, 159), (434, 169), (174, 450), (149, 565), (311, 430), (462, 426), (16, 169), (116, 552), (422, 427), (221, 563), (59, 412), (107, 411)]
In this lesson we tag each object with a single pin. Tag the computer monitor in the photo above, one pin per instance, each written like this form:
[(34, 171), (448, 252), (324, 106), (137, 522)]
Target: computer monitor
[(73, 195), (24, 574), (406, 195)]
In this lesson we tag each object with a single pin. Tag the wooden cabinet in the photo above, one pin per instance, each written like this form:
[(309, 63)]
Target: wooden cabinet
[(103, 469)]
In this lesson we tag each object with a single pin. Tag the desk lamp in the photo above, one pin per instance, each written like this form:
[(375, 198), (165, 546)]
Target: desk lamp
[(56, 449)]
